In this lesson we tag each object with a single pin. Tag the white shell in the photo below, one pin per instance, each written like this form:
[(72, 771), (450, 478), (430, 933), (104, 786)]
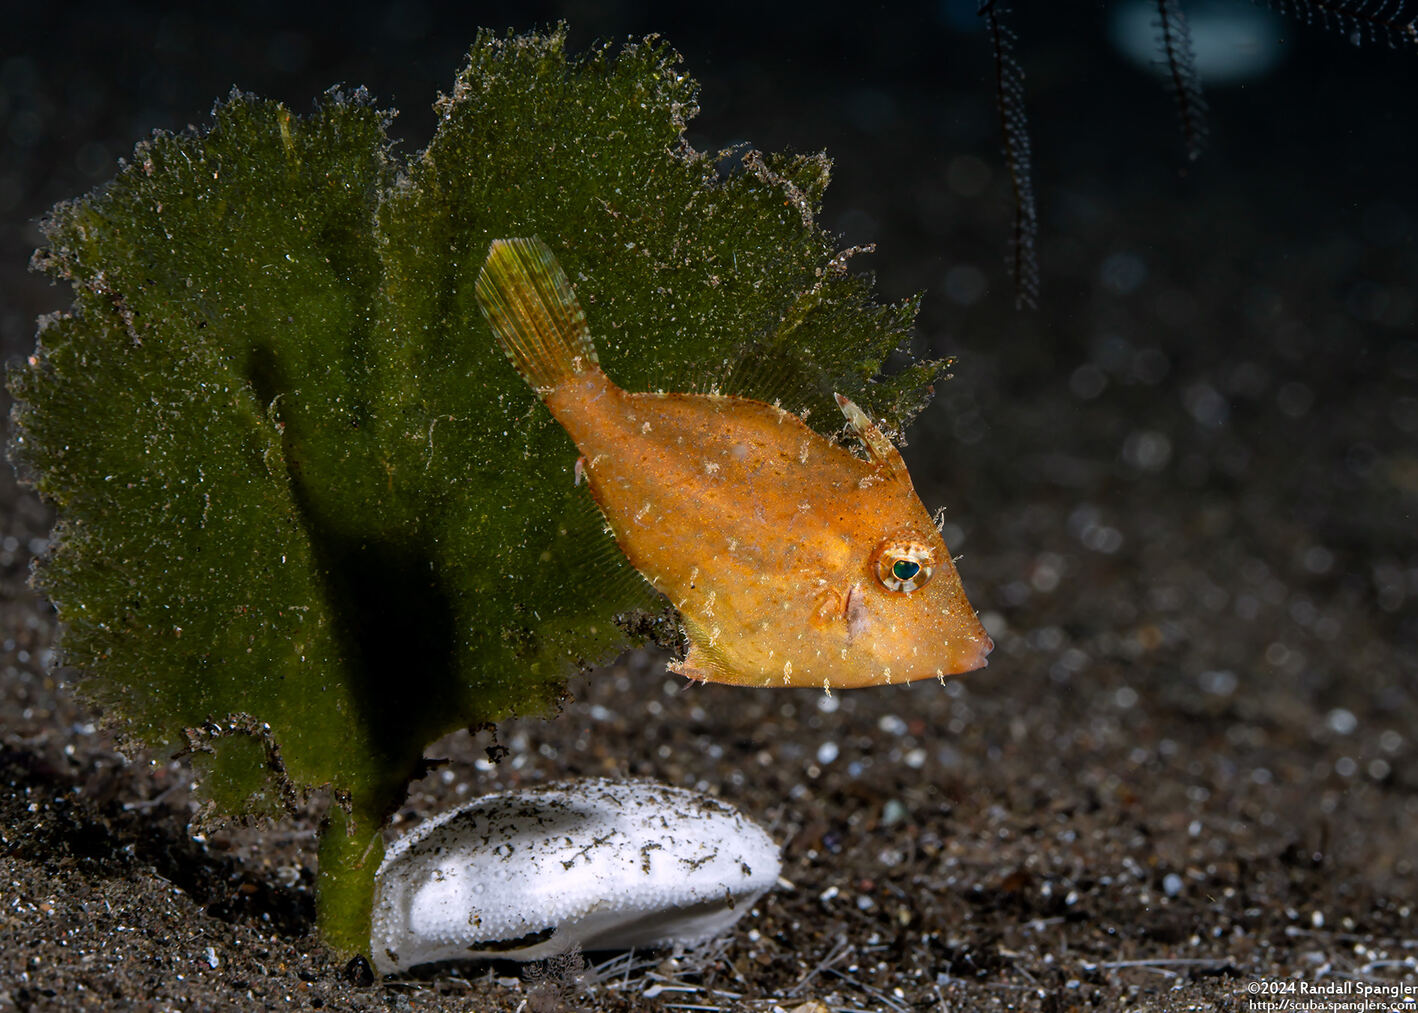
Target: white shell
[(598, 864)]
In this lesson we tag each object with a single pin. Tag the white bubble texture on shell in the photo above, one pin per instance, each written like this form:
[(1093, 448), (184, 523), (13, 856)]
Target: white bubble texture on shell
[(598, 864)]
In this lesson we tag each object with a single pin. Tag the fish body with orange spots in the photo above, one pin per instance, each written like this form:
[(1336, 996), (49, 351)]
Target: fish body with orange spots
[(791, 560)]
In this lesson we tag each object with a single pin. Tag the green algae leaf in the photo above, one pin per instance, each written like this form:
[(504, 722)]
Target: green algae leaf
[(183, 569), (310, 518)]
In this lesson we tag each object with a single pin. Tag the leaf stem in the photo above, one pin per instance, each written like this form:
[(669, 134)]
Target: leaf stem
[(351, 849)]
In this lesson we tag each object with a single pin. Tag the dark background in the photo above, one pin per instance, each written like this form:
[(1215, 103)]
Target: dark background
[(1183, 489)]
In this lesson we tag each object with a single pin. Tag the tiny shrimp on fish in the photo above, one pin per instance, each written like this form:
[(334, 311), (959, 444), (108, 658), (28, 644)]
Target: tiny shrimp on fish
[(792, 561)]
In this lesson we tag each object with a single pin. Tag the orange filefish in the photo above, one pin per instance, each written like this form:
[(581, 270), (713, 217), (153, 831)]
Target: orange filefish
[(792, 561)]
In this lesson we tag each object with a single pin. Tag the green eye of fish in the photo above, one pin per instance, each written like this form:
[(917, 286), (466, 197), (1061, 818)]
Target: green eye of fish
[(903, 564), (905, 569)]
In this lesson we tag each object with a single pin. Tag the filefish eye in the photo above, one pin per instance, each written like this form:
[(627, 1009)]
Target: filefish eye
[(905, 569), (904, 564)]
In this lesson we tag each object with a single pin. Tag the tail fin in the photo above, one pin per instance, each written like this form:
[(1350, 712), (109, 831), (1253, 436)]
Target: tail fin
[(533, 310)]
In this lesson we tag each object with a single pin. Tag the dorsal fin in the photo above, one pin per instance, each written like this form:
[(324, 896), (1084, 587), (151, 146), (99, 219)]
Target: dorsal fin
[(878, 446)]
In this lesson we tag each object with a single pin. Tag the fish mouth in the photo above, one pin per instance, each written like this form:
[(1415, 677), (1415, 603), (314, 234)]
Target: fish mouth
[(981, 658)]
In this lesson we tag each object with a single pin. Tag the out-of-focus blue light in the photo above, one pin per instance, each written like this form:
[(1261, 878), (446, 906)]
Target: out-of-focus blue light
[(1232, 41)]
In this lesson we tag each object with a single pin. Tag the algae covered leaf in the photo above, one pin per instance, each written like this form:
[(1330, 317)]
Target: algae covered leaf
[(310, 518)]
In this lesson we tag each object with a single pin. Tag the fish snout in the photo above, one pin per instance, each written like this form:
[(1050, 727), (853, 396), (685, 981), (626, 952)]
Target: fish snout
[(983, 648)]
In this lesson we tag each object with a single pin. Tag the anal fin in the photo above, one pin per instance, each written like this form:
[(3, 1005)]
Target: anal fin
[(704, 662)]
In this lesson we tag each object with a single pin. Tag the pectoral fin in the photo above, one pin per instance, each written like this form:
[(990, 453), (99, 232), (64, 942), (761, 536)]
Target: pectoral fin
[(878, 446), (832, 607)]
